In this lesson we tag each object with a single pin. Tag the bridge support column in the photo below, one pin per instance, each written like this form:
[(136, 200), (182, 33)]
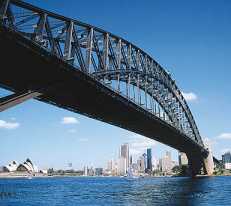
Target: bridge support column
[(17, 98), (198, 163), (209, 164), (195, 163)]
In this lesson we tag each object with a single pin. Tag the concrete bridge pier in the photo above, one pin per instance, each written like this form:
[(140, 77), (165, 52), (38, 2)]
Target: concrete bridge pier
[(209, 164), (197, 162)]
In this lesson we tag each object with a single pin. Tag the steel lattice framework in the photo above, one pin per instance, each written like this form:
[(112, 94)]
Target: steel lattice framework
[(109, 59)]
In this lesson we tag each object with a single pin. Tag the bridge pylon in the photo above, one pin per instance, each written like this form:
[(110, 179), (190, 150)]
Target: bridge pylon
[(200, 163), (209, 164)]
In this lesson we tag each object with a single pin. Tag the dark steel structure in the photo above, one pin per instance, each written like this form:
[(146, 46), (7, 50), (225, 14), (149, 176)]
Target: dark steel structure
[(87, 70)]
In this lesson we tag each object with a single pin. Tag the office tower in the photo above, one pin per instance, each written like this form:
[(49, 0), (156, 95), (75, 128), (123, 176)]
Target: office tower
[(226, 160), (98, 171), (141, 164), (144, 155), (149, 159), (166, 163), (110, 165), (121, 166), (183, 160), (130, 160), (85, 171), (124, 152)]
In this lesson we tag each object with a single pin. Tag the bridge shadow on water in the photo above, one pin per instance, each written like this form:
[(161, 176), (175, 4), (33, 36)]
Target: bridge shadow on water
[(115, 191), (176, 191)]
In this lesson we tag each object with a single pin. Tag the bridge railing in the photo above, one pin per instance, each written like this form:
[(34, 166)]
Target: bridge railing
[(111, 60)]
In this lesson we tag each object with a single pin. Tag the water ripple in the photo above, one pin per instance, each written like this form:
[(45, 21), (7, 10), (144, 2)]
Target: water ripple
[(114, 191)]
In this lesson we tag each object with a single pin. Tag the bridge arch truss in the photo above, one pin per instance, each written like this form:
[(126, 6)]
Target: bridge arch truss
[(111, 60)]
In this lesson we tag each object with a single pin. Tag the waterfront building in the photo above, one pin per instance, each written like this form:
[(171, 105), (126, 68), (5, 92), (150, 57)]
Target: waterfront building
[(166, 163), (183, 160), (11, 167), (154, 164), (149, 159), (130, 160), (27, 166), (43, 171), (226, 160), (110, 165), (124, 152), (98, 171), (138, 163), (91, 171), (141, 164), (134, 167), (85, 171), (228, 166), (122, 169), (115, 168), (145, 161)]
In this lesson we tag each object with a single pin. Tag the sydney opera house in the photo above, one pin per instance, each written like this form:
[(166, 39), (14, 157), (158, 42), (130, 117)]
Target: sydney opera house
[(27, 166)]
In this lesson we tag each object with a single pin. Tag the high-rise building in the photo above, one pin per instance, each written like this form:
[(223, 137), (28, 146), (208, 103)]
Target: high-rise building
[(168, 154), (124, 152), (121, 170), (141, 164), (90, 171), (144, 155), (98, 171), (226, 160), (166, 163), (110, 165), (183, 160), (138, 163), (130, 160), (149, 159), (85, 171)]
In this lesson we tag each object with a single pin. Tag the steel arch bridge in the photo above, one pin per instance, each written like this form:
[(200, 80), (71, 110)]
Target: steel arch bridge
[(110, 61)]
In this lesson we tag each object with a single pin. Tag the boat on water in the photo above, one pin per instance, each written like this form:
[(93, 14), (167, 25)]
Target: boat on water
[(130, 175)]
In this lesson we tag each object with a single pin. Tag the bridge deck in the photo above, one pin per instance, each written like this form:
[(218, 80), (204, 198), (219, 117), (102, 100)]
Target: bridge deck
[(28, 66)]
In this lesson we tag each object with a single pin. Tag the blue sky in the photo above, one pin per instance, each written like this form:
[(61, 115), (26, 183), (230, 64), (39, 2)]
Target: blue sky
[(191, 39)]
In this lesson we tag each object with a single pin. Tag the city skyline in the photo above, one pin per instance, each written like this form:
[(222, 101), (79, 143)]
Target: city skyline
[(54, 137)]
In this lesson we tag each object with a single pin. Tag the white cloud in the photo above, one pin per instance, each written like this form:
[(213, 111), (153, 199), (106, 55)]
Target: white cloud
[(83, 139), (9, 125), (224, 136), (190, 96), (138, 144), (69, 120)]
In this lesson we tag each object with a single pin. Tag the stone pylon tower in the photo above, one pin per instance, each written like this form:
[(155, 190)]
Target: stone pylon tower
[(208, 161)]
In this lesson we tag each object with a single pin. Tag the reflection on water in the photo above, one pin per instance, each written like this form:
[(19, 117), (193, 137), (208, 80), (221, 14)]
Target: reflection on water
[(115, 191)]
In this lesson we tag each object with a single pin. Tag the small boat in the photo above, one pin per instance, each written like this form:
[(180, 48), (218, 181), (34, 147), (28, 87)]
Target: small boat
[(29, 176), (130, 174)]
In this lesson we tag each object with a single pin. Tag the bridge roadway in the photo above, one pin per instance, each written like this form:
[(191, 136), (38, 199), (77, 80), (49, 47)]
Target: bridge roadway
[(25, 66)]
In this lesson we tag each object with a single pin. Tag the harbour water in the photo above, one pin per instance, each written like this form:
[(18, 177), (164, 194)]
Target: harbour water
[(70, 191)]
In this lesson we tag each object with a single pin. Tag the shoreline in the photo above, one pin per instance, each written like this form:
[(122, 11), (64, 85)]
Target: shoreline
[(31, 176)]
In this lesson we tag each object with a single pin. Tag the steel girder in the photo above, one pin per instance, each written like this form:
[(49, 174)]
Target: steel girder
[(17, 98), (109, 59)]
